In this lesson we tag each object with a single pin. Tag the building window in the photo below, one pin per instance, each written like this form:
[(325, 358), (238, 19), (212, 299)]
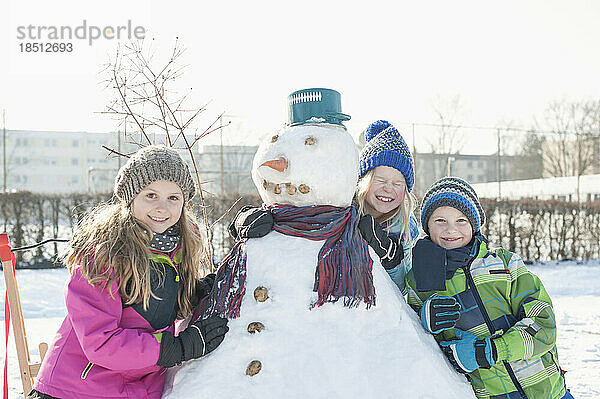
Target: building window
[(470, 178), (74, 161), (479, 164), (75, 143), (470, 164), (74, 179)]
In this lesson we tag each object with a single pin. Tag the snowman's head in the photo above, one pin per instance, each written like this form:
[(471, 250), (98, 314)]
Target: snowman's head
[(307, 165)]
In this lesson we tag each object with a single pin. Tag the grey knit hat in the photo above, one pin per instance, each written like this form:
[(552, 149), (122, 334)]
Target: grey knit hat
[(456, 193), (149, 164)]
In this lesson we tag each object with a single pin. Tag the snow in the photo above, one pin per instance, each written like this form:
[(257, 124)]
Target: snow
[(574, 288)]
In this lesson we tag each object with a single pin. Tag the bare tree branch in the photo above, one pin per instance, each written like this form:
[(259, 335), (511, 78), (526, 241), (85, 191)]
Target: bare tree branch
[(148, 106)]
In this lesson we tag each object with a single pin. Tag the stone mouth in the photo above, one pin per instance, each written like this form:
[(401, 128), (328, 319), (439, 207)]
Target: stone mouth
[(289, 188)]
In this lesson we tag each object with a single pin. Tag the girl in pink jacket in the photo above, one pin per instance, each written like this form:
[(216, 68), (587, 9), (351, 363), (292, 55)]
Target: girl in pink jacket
[(134, 270)]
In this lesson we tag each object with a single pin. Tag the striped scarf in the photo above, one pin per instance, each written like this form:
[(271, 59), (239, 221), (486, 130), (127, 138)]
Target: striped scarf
[(344, 268)]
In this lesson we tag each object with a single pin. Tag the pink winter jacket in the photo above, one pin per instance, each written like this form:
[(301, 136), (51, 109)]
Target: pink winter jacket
[(102, 350)]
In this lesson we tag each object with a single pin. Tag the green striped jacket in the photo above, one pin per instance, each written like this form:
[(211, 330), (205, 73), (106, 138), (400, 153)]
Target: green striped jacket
[(511, 305)]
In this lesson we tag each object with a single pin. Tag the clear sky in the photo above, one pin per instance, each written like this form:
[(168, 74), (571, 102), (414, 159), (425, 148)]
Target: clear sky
[(506, 60)]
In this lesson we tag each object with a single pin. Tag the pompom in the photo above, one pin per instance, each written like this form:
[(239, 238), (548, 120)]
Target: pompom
[(375, 128)]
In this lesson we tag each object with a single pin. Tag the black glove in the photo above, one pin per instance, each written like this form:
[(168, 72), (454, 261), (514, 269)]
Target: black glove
[(204, 285), (203, 288), (251, 223), (387, 248), (195, 341), (439, 313)]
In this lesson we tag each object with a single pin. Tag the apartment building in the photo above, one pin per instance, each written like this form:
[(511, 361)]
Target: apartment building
[(226, 170), (63, 162), (430, 167)]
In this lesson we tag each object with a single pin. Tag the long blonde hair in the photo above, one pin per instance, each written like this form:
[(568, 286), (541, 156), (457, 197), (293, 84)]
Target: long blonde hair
[(110, 244), (401, 213)]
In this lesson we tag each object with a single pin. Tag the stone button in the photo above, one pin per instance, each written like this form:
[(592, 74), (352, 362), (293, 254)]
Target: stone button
[(290, 188), (303, 188), (253, 368), (261, 293), (255, 326)]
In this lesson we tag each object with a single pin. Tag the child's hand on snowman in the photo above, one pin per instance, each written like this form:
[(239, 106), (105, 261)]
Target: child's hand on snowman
[(204, 285), (251, 222), (197, 340), (387, 248)]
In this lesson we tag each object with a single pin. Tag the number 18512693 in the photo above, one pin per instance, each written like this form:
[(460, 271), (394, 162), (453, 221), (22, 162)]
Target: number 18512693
[(46, 47)]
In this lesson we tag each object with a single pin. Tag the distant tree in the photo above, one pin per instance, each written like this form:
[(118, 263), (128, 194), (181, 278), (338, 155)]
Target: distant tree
[(529, 163), (573, 147), (449, 114)]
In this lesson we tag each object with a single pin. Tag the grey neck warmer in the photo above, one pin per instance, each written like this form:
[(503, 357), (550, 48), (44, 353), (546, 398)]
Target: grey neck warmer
[(166, 241)]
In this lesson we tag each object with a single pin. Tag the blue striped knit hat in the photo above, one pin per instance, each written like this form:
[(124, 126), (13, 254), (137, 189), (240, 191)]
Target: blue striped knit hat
[(456, 193), (386, 147)]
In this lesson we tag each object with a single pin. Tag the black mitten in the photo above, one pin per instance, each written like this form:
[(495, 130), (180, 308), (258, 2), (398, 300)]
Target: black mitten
[(251, 222), (203, 287), (195, 341), (386, 247)]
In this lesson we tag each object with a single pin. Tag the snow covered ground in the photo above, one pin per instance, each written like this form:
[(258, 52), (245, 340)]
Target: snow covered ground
[(574, 288)]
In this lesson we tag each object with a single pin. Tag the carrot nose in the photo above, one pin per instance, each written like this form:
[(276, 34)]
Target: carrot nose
[(280, 164)]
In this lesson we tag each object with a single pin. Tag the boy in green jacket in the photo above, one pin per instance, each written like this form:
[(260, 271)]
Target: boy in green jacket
[(492, 318)]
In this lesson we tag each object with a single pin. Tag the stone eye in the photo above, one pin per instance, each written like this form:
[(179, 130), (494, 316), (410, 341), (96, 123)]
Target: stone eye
[(309, 141), (274, 138)]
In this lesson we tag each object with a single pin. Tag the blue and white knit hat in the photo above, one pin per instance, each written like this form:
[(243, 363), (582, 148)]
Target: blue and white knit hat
[(386, 147), (457, 193)]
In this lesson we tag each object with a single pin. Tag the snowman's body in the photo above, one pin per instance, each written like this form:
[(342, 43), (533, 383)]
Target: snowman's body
[(329, 351)]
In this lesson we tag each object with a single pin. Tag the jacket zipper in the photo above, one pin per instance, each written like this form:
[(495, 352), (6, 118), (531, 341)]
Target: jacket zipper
[(172, 262), (490, 326)]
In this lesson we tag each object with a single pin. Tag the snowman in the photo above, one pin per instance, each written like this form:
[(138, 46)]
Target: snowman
[(312, 313)]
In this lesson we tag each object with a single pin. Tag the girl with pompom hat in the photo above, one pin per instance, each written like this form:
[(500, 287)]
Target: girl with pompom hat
[(385, 199)]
